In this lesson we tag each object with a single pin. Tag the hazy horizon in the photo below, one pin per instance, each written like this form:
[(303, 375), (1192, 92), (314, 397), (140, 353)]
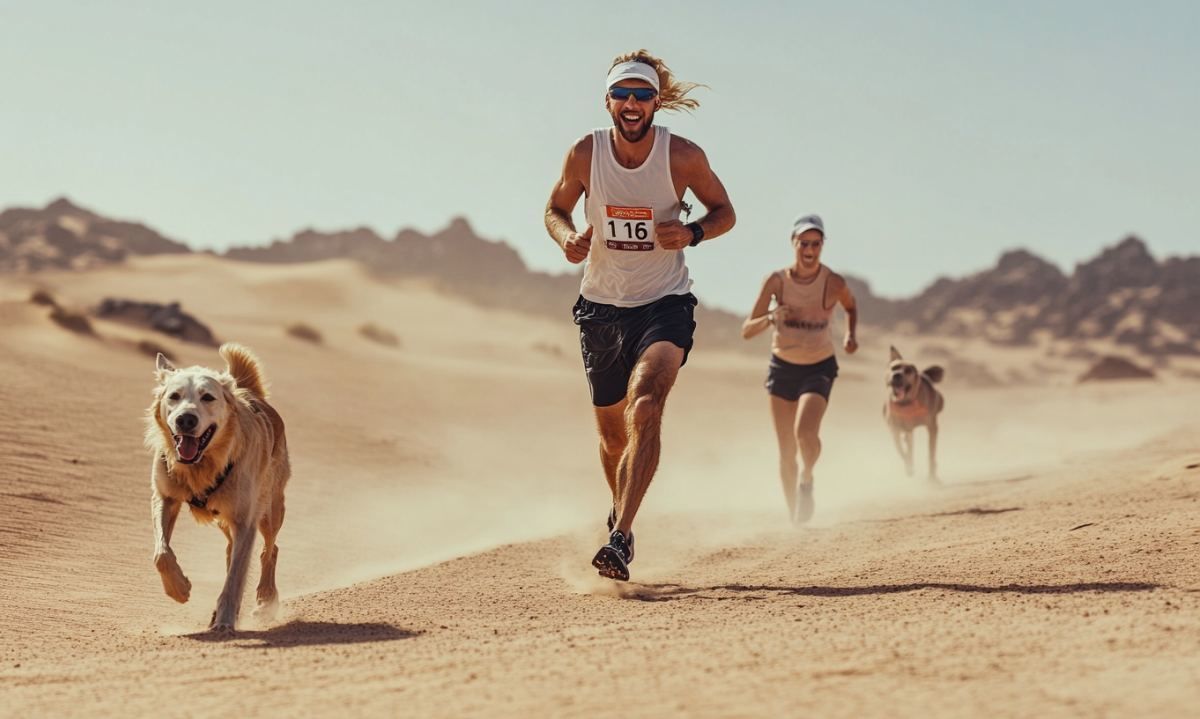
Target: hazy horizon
[(571, 269), (932, 138)]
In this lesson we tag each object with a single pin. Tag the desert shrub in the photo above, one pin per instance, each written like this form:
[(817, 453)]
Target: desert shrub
[(43, 297), (379, 335), (166, 318), (301, 331), (1110, 367), (72, 321)]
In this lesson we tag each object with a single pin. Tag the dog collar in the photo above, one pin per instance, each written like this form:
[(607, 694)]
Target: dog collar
[(200, 501)]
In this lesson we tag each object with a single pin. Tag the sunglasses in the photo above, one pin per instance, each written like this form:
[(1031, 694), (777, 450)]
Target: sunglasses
[(641, 94)]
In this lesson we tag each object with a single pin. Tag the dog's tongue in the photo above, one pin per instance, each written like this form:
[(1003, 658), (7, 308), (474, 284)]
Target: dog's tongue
[(188, 447)]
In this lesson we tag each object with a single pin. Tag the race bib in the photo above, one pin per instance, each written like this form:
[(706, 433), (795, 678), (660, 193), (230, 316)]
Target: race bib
[(629, 229)]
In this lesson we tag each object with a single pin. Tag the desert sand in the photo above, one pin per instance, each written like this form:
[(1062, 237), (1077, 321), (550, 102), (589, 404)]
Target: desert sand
[(447, 498)]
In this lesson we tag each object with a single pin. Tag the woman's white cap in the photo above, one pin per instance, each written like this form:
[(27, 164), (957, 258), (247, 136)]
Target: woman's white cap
[(808, 222)]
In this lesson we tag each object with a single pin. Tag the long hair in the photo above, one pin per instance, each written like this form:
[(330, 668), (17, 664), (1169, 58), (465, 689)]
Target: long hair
[(672, 92)]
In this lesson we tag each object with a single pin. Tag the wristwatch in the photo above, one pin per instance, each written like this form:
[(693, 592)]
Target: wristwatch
[(697, 233)]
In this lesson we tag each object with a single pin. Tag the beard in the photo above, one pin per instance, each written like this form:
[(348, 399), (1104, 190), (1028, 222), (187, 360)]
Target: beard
[(638, 132)]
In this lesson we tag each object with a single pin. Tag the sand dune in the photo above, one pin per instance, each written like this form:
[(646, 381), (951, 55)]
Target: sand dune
[(446, 499)]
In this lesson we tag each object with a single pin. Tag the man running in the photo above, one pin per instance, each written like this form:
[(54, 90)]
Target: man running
[(635, 306), (803, 365)]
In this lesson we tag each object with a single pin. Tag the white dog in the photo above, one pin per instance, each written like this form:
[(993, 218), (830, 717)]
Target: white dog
[(219, 448)]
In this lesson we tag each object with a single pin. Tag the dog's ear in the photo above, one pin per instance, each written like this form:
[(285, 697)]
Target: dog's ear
[(229, 384), (935, 373), (895, 354), (162, 367)]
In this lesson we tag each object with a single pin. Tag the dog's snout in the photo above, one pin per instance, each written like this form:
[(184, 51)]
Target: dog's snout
[(187, 422), (897, 380)]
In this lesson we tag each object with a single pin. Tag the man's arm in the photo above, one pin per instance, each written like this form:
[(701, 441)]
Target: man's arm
[(564, 196), (689, 162)]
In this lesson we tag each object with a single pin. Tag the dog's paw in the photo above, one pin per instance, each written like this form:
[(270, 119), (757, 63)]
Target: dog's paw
[(223, 625), (175, 582), (180, 590), (266, 610)]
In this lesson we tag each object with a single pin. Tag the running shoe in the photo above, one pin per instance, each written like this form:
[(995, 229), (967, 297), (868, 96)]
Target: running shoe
[(804, 503), (612, 524), (613, 558)]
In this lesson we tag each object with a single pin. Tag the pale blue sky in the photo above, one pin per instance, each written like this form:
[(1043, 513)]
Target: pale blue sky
[(930, 135)]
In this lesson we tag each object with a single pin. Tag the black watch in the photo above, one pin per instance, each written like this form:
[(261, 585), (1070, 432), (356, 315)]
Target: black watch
[(697, 233)]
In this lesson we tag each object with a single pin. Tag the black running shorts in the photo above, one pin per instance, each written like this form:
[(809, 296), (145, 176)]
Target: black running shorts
[(612, 339), (788, 381)]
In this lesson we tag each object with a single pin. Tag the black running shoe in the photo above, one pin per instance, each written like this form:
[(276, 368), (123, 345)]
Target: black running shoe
[(804, 504), (613, 558), (612, 524)]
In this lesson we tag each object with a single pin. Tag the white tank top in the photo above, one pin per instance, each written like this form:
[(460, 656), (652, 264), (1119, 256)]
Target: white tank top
[(625, 266), (806, 338)]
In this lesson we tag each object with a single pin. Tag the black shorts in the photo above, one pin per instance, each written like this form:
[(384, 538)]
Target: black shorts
[(788, 381), (612, 339)]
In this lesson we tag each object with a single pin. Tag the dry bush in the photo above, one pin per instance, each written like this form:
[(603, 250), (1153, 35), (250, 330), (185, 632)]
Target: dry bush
[(301, 331), (378, 334), (72, 321), (1111, 367), (43, 297), (170, 319)]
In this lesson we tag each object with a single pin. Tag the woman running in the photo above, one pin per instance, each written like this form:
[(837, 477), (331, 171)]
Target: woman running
[(803, 365)]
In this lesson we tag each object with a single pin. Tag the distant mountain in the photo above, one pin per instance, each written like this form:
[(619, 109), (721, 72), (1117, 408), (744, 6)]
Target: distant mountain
[(65, 236), (461, 263), (456, 259), (1124, 294), (310, 246), (1129, 296)]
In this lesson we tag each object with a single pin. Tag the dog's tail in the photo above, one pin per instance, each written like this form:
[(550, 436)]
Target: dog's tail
[(935, 373), (243, 367)]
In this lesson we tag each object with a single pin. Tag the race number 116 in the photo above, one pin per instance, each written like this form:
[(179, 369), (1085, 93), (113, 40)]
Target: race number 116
[(629, 228)]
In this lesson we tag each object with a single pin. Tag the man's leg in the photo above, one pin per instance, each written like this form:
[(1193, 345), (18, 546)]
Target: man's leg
[(784, 414), (610, 422), (652, 379)]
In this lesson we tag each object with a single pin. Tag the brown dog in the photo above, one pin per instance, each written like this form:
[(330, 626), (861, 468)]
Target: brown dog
[(219, 448), (912, 402)]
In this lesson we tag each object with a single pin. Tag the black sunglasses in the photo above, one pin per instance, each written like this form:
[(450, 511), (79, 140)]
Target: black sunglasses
[(641, 94)]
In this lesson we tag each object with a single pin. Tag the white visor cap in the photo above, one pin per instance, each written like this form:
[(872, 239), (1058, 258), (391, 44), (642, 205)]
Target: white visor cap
[(631, 71)]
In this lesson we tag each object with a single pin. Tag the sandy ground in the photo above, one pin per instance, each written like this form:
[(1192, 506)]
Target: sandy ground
[(446, 500)]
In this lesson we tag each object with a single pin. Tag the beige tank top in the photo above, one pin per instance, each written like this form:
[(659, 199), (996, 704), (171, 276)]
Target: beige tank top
[(805, 338)]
